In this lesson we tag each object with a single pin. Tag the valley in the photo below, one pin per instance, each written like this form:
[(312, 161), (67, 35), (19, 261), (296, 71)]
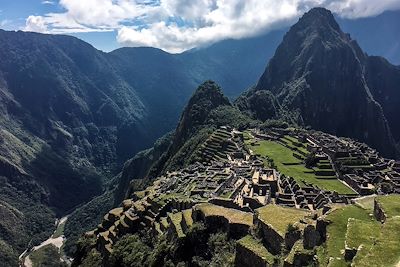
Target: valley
[(293, 161)]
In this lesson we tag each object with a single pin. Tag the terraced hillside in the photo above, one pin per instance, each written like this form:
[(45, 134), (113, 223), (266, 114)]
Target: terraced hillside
[(236, 209), (355, 237), (217, 146), (288, 154)]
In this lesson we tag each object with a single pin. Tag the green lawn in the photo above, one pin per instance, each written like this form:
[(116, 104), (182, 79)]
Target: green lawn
[(281, 154), (336, 231), (386, 250), (366, 202), (390, 204), (60, 230), (362, 232), (280, 217), (233, 216)]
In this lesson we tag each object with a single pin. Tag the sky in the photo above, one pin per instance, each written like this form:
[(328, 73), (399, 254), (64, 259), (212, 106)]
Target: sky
[(171, 25)]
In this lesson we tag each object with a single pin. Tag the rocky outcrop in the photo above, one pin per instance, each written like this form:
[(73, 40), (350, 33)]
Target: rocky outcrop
[(246, 257), (271, 238), (379, 212)]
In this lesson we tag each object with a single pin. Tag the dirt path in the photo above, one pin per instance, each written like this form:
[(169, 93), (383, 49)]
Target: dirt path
[(56, 241)]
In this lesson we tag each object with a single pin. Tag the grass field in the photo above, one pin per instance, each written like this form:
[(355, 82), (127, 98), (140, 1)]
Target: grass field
[(336, 232), (390, 204), (386, 250), (281, 154), (234, 216), (362, 232), (280, 217)]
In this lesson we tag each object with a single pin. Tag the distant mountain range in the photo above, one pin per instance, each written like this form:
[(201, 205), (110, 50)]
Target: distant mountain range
[(71, 115)]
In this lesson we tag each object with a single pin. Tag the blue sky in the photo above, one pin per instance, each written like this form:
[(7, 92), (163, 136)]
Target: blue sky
[(172, 25)]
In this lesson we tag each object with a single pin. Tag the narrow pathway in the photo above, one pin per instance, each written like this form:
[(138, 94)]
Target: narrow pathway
[(25, 261)]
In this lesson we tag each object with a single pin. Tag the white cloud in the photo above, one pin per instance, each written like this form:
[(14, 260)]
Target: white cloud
[(47, 2), (178, 25), (36, 24)]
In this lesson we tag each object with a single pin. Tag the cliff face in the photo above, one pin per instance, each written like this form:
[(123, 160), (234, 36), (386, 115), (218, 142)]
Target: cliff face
[(320, 73), (383, 79)]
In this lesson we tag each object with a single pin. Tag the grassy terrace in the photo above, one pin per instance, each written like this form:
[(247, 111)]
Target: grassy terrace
[(187, 216), (294, 144), (390, 204), (366, 202), (176, 219), (298, 248), (336, 232), (361, 232), (386, 250), (378, 243), (283, 155), (257, 248), (234, 216), (280, 217)]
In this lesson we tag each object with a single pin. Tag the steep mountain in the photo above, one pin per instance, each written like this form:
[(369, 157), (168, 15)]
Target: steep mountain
[(378, 36), (62, 110), (206, 110), (319, 73), (383, 79), (70, 115)]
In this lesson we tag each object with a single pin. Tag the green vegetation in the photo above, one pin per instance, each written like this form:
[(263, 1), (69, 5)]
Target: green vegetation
[(386, 250), (366, 202), (297, 249), (198, 248), (59, 230), (234, 216), (47, 256), (130, 250), (336, 231), (85, 219), (287, 164), (176, 219), (361, 232), (280, 217), (257, 247), (390, 204), (187, 216)]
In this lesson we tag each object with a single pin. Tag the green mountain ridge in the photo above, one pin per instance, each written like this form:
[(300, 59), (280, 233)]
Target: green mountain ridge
[(241, 192), (71, 115)]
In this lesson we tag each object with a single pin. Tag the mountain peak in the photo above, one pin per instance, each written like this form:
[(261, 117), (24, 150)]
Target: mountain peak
[(318, 71), (318, 20), (207, 97)]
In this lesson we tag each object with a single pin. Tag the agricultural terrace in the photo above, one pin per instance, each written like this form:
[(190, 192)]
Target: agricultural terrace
[(390, 204), (336, 232), (233, 216), (257, 248), (280, 217), (289, 165)]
